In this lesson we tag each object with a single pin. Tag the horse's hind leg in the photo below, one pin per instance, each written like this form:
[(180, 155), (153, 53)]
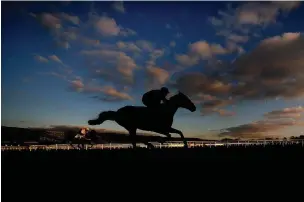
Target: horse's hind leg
[(149, 145), (173, 130), (132, 133)]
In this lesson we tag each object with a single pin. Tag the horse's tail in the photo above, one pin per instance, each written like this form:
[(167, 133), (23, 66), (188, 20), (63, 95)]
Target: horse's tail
[(103, 116)]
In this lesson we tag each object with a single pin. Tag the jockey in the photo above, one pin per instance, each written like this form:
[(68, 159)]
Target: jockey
[(82, 133), (154, 98)]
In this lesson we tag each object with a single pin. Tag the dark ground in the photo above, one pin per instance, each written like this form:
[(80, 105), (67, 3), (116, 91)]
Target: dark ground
[(105, 171)]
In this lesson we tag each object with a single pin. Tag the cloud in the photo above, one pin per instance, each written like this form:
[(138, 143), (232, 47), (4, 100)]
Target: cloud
[(157, 53), (205, 50), (127, 32), (41, 58), (50, 21), (234, 37), (108, 27), (273, 69), (61, 76), (63, 44), (128, 46), (274, 121), (253, 130), (187, 60), (77, 85), (111, 75), (249, 17), (90, 42), (195, 83), (53, 22), (200, 50), (223, 112), (73, 19), (201, 97), (178, 35), (55, 58), (145, 45), (215, 21), (112, 94), (33, 15), (172, 43), (154, 55), (168, 26), (210, 93), (123, 63), (214, 105), (292, 113), (233, 47), (258, 129), (156, 76), (262, 14), (105, 93), (119, 6), (69, 34)]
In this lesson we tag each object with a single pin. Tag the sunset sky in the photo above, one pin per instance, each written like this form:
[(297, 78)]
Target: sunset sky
[(241, 63)]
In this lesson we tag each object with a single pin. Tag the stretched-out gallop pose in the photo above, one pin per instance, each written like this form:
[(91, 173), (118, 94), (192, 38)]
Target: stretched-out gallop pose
[(149, 119)]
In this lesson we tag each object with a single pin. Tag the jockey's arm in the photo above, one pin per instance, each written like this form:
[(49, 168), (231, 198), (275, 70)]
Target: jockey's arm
[(164, 100)]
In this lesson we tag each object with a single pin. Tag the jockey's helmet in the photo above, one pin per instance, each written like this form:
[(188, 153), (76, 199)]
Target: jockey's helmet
[(164, 90)]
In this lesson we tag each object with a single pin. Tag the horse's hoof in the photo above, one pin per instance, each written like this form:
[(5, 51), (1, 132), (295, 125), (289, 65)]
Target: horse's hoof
[(150, 146)]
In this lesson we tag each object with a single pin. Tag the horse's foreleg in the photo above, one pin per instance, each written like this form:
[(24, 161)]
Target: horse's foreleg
[(173, 130)]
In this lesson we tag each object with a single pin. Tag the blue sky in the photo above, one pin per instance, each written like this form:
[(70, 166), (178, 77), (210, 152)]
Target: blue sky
[(241, 63)]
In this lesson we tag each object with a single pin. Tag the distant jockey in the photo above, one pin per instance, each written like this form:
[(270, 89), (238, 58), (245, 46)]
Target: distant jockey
[(82, 133)]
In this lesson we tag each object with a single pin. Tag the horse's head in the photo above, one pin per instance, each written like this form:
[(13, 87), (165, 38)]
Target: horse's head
[(183, 101)]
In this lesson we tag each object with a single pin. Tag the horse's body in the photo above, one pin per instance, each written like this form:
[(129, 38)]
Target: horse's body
[(143, 118), (157, 120)]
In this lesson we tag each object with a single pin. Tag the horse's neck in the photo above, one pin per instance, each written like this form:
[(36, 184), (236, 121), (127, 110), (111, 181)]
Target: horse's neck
[(172, 108)]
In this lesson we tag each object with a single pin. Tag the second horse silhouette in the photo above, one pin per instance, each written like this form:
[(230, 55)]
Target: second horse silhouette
[(157, 120)]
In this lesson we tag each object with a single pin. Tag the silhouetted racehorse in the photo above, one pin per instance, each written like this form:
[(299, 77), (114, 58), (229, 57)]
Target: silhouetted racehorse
[(158, 120)]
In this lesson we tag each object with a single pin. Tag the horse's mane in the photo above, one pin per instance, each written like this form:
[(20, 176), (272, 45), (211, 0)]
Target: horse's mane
[(177, 95)]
